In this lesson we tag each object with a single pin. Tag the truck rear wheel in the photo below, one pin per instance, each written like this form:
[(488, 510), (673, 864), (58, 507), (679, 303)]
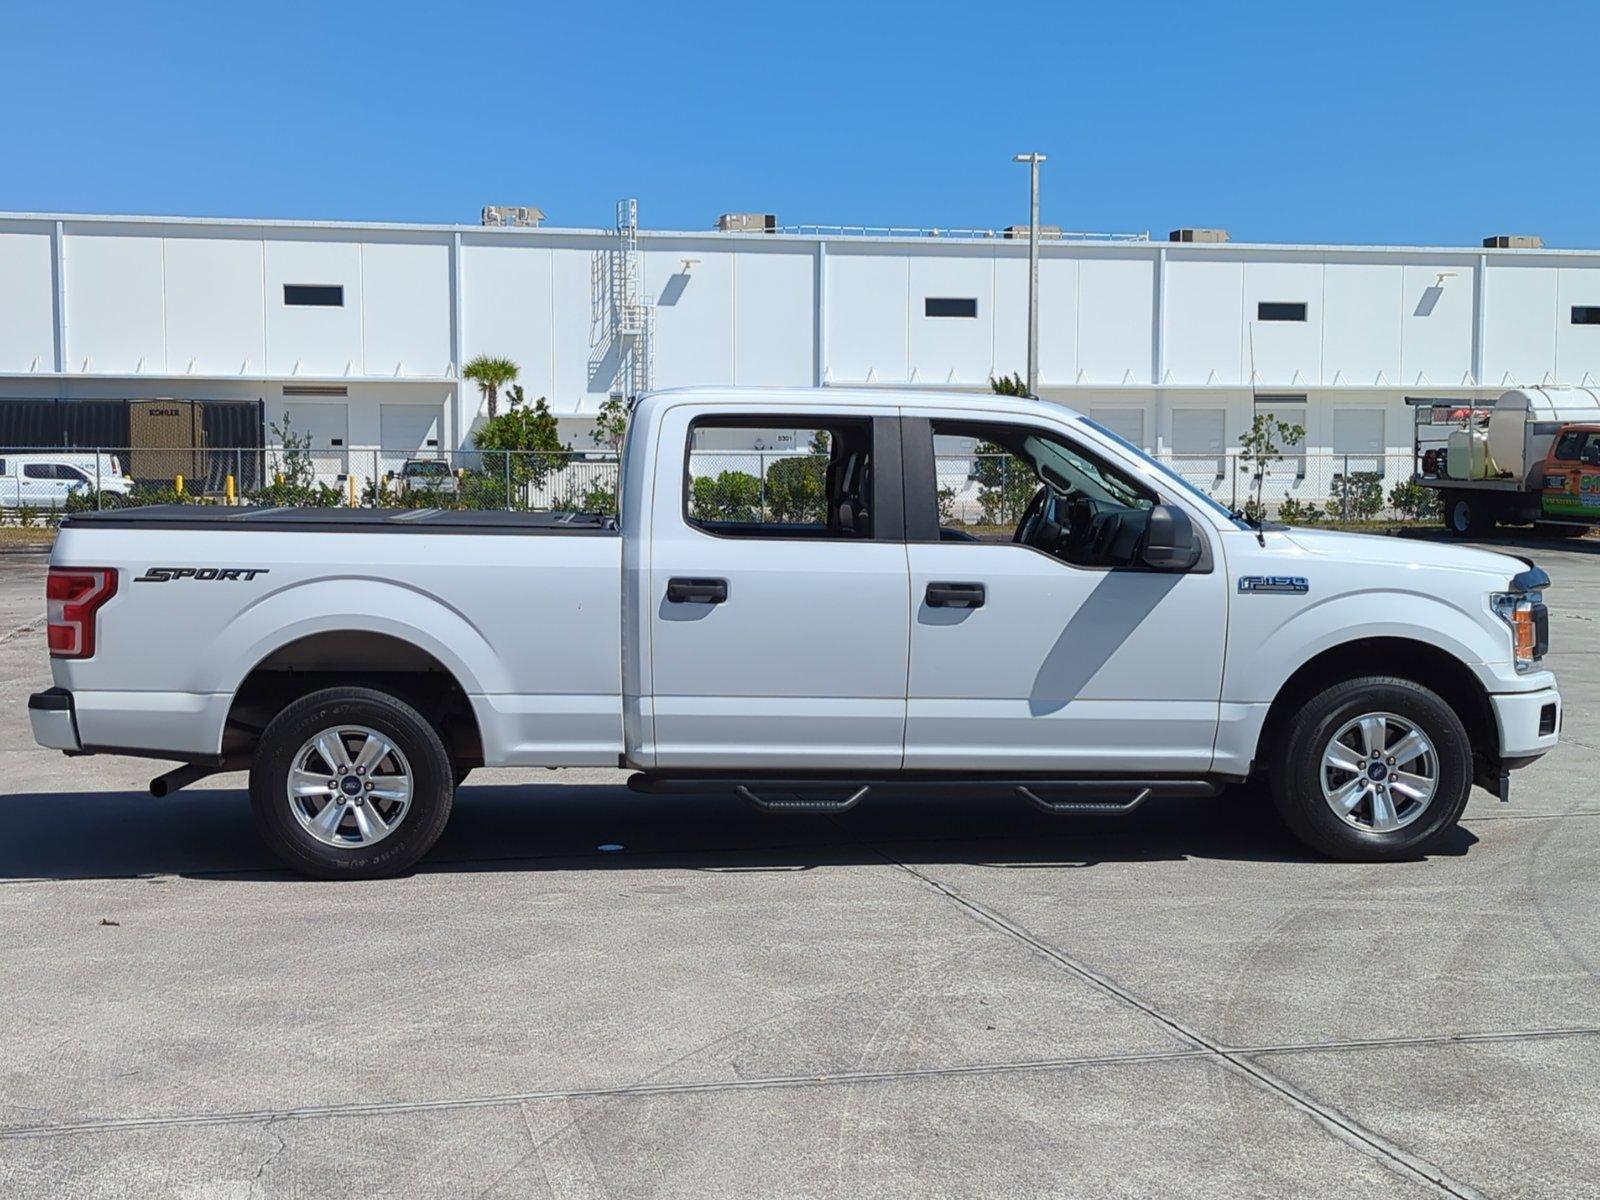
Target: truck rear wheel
[(350, 783), (1372, 769), (1466, 515)]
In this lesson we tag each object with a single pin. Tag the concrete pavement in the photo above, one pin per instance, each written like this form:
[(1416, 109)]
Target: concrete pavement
[(912, 999)]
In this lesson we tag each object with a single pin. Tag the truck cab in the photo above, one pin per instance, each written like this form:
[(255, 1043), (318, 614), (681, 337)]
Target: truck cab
[(1572, 474)]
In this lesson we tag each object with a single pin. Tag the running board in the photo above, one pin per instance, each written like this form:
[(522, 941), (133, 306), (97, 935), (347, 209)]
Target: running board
[(799, 803), (801, 793)]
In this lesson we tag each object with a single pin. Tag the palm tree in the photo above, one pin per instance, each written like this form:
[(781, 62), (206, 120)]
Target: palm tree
[(490, 374)]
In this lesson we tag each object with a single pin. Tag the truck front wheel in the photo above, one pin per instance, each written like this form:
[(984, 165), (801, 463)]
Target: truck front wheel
[(350, 783), (1372, 769), (1466, 515)]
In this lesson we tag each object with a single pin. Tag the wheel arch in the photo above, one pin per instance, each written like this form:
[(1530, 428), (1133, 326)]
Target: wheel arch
[(1403, 657), (364, 657)]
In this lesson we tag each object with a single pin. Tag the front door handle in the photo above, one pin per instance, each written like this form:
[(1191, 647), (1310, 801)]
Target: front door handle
[(697, 591), (956, 595)]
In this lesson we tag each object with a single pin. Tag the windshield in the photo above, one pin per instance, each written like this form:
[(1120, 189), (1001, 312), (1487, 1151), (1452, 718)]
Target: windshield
[(1166, 472)]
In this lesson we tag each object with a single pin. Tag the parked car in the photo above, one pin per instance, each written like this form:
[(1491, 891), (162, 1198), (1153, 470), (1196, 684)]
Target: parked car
[(47, 479), (1128, 638), (428, 476)]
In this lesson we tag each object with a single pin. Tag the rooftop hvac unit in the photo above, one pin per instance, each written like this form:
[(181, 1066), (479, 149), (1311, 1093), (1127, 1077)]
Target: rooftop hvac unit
[(1021, 231), (520, 215), (1513, 241), (747, 223), (1197, 235)]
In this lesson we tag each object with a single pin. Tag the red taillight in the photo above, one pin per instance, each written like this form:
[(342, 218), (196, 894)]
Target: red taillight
[(72, 596)]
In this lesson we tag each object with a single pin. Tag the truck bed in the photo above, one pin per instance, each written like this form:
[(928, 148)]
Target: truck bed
[(350, 520)]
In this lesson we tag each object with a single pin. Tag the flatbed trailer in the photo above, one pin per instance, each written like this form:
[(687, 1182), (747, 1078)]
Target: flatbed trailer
[(1532, 457)]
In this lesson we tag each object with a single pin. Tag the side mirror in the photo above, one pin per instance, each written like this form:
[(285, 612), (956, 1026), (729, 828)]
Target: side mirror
[(1170, 542)]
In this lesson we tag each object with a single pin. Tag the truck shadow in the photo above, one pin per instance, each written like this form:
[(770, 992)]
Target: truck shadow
[(200, 833)]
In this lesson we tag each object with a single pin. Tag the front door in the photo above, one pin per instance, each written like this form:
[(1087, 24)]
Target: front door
[(1037, 643), (776, 592)]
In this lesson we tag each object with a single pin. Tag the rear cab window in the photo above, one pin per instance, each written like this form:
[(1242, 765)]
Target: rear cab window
[(774, 476)]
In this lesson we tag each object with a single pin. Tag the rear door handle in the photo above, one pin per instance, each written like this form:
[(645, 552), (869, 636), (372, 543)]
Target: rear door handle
[(697, 591), (956, 595)]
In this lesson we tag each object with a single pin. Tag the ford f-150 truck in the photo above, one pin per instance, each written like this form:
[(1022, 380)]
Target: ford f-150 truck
[(805, 642)]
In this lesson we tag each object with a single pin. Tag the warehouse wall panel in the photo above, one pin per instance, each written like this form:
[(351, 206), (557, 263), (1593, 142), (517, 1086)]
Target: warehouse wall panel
[(405, 290), (215, 297), (313, 340), (774, 326), (27, 316), (115, 323)]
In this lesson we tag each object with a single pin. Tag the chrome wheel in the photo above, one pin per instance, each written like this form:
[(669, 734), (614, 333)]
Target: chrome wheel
[(1379, 773), (349, 786)]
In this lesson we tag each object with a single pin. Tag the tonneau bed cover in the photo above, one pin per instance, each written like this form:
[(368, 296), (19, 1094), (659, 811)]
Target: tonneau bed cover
[(349, 520)]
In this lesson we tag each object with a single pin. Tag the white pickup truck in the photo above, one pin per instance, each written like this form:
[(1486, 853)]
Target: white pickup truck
[(805, 644)]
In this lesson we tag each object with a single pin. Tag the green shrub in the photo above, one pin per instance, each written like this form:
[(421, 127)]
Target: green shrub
[(1357, 496), (1295, 512), (1413, 501), (730, 496), (795, 490)]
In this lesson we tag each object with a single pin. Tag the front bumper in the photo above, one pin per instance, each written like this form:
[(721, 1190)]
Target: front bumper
[(1529, 722), (55, 724)]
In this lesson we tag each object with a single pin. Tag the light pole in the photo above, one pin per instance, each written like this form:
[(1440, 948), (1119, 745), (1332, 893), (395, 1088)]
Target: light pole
[(1033, 160)]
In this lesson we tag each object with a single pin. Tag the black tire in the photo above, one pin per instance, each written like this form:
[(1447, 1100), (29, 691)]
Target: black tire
[(1466, 515), (1551, 530), (1297, 771), (419, 826)]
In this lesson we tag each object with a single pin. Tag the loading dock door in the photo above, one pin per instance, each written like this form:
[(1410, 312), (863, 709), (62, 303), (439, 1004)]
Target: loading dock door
[(408, 431), (1126, 423), (1197, 446), (328, 426)]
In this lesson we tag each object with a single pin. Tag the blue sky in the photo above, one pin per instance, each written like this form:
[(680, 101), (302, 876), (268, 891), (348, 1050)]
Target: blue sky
[(1352, 122)]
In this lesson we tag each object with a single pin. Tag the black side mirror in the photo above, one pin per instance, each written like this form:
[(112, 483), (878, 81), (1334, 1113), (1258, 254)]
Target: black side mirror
[(1170, 542)]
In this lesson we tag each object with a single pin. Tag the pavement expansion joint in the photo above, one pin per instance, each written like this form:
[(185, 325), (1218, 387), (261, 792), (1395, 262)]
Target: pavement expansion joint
[(1341, 1126)]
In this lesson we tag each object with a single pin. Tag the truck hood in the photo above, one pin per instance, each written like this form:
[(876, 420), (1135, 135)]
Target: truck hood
[(1405, 552)]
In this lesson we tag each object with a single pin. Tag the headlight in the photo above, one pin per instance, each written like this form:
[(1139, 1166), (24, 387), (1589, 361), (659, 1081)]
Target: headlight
[(1528, 619)]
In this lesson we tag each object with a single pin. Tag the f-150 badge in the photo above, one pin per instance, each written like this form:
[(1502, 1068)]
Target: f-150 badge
[(1294, 585)]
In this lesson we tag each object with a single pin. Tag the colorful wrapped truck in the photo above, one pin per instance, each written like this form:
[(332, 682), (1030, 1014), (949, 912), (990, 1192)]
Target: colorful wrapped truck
[(1530, 458)]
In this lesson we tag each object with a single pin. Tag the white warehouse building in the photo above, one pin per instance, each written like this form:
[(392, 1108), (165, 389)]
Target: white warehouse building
[(360, 331)]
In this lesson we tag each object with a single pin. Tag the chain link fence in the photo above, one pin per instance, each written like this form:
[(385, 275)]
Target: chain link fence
[(973, 488)]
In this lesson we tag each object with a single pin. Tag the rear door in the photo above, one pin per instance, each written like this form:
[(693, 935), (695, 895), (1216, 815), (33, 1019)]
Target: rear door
[(776, 589), (1041, 647)]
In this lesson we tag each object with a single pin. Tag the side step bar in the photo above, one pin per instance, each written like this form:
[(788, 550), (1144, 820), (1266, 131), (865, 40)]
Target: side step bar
[(798, 803), (838, 793)]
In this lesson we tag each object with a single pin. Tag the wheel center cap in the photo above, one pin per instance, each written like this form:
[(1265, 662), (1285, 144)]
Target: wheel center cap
[(350, 785), (1377, 772)]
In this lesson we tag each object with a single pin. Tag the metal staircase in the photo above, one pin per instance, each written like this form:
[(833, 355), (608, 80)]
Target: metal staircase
[(621, 319)]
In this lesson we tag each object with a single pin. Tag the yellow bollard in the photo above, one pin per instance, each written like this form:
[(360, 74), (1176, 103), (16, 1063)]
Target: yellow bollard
[(351, 481), (228, 490), (177, 484)]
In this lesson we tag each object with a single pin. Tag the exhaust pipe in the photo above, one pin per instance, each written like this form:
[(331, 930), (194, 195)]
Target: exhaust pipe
[(181, 777)]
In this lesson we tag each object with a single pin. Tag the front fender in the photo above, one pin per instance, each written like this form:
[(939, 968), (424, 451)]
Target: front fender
[(1264, 653)]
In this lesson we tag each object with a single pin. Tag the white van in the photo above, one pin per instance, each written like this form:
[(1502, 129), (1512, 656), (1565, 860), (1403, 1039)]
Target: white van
[(44, 479)]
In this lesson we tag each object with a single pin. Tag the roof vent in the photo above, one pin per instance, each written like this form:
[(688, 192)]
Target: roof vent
[(1021, 232), (1198, 235), (520, 215), (1513, 241), (748, 223)]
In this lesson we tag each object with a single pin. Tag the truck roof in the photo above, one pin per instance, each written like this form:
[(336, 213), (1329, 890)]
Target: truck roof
[(805, 396)]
